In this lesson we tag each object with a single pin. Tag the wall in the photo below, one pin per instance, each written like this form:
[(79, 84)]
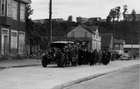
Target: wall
[(11, 24)]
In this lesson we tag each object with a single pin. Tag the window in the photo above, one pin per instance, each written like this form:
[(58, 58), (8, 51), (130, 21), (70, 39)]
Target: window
[(22, 12), (2, 9), (9, 8), (14, 11), (21, 42), (14, 35)]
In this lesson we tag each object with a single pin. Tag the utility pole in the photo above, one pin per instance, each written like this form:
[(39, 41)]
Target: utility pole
[(50, 22), (139, 48), (113, 28), (132, 46)]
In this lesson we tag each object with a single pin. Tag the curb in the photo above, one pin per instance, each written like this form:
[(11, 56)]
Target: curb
[(74, 82), (18, 66)]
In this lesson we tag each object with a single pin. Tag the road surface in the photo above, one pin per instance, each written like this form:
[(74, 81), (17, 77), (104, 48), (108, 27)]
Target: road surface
[(127, 78), (53, 77)]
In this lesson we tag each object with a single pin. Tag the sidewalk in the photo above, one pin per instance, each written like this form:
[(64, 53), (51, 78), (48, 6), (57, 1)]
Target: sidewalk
[(19, 63)]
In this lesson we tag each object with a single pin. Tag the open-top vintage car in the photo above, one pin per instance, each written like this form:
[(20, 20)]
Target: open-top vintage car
[(62, 52)]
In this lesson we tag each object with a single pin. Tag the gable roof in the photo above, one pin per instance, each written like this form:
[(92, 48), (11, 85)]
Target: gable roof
[(90, 29)]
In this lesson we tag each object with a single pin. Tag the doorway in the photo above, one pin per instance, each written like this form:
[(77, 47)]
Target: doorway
[(4, 41)]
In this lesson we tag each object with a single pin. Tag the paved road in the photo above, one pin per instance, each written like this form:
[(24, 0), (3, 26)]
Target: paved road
[(127, 78), (53, 77)]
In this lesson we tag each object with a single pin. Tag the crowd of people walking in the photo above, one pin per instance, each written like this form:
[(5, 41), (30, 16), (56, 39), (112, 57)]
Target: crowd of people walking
[(94, 57), (84, 56)]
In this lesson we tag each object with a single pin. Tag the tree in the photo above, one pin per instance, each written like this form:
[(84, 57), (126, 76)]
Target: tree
[(125, 8), (118, 13), (108, 19), (29, 11), (29, 24), (133, 14), (70, 18), (114, 13)]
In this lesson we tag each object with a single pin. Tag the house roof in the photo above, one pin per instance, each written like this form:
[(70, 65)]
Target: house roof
[(106, 39), (91, 29)]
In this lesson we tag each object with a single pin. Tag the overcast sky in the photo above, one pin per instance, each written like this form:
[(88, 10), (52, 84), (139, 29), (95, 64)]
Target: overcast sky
[(83, 8)]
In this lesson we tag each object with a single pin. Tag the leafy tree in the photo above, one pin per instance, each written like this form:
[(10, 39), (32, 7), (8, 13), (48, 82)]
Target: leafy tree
[(133, 14), (118, 13), (29, 11), (70, 18), (114, 14), (125, 8), (29, 24), (108, 19)]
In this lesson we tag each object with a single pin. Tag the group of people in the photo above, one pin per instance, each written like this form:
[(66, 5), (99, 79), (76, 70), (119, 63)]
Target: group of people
[(84, 56), (93, 57)]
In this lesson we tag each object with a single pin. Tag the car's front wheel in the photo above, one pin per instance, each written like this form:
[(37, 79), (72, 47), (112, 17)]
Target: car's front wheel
[(44, 63)]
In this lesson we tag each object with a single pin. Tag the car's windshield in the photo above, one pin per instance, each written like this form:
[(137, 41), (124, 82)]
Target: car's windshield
[(58, 45)]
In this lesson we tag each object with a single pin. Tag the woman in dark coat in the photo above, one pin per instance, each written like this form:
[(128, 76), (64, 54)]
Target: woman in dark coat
[(91, 58), (95, 57), (106, 57)]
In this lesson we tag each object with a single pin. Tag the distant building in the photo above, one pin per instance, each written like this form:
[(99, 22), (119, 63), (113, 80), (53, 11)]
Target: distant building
[(87, 36), (129, 17), (103, 20), (119, 45), (94, 19), (132, 49), (43, 20), (12, 26), (107, 43), (89, 20), (81, 19)]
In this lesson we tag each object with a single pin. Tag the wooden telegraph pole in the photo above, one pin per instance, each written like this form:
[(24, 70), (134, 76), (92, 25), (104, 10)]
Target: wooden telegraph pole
[(50, 22)]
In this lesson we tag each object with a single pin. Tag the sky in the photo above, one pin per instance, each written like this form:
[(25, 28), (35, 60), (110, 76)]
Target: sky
[(83, 8)]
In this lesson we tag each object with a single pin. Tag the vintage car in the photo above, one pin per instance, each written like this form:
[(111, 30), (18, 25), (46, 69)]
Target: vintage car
[(62, 52), (125, 56)]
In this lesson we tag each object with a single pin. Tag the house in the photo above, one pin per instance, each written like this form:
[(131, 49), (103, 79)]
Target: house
[(106, 41), (12, 26), (119, 45), (132, 49), (87, 36)]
